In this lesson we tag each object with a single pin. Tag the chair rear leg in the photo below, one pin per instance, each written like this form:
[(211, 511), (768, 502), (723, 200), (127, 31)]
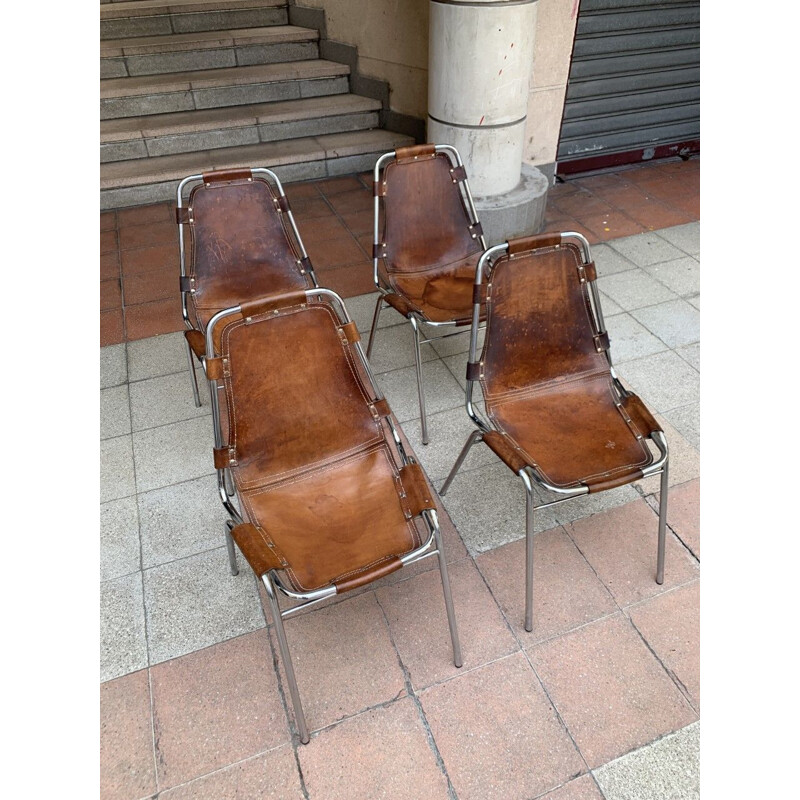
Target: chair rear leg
[(375, 317), (420, 389), (286, 657), (192, 374), (529, 509), (448, 599), (231, 547), (662, 523), (473, 437)]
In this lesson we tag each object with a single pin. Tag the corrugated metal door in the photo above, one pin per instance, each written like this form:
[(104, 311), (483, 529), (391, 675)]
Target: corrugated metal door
[(634, 83)]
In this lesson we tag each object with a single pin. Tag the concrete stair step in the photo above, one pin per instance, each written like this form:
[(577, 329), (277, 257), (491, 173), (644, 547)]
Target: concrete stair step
[(152, 180), (215, 88), (187, 131), (160, 18), (151, 55)]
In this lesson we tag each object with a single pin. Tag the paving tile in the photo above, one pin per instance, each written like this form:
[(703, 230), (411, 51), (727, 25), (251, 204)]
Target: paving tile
[(400, 388), (214, 707), (664, 381), (608, 261), (361, 309), (116, 469), (684, 237), (109, 266), (381, 753), (110, 294), (687, 421), (166, 399), (343, 659), (620, 545), (394, 349), (108, 220), (113, 366), (654, 214), (586, 505), (112, 329), (145, 215), (418, 622), (566, 592), (487, 506), (350, 280), (270, 776), (583, 788), (127, 768), (311, 208), (302, 190), (665, 770), (152, 319), (196, 602), (356, 201), (681, 275), (630, 339), (498, 734), (459, 343), (162, 258), (684, 461), (690, 354), (158, 355), (334, 186), (108, 241), (670, 624), (638, 701), (147, 287), (448, 432), (115, 414), (181, 520), (694, 301), (173, 453), (150, 235), (634, 289), (123, 648), (683, 514), (646, 249), (611, 225), (609, 307), (676, 322), (360, 223), (119, 538)]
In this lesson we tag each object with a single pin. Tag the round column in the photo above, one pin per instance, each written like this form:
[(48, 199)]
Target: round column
[(479, 70)]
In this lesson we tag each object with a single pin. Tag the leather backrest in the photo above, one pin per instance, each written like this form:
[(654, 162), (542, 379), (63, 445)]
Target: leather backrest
[(241, 246), (539, 323), (426, 224), (294, 395)]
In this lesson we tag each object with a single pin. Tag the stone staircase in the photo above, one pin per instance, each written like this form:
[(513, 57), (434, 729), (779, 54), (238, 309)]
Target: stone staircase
[(193, 85)]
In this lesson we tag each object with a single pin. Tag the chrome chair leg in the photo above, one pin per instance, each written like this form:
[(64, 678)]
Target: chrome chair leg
[(662, 523), (231, 547), (230, 487), (375, 317), (283, 645), (448, 598), (192, 374), (529, 509), (420, 390), (473, 437)]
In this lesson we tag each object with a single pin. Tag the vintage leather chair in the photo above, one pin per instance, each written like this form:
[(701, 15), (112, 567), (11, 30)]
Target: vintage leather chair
[(555, 412), (427, 241), (329, 499), (243, 244)]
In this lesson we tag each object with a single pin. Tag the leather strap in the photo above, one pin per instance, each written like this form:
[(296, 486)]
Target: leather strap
[(587, 272), (261, 554), (601, 342), (418, 496), (224, 457), (459, 174), (525, 243), (377, 250), (183, 215), (282, 202), (505, 451), (350, 332), (640, 415), (476, 230), (252, 308), (224, 175), (378, 189), (398, 303), (600, 485), (187, 283), (473, 371), (478, 293), (216, 368), (362, 577), (196, 341), (305, 263), (382, 407), (414, 151)]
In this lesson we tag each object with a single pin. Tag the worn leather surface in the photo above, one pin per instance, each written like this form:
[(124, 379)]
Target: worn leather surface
[(316, 471), (241, 246), (430, 255), (547, 388)]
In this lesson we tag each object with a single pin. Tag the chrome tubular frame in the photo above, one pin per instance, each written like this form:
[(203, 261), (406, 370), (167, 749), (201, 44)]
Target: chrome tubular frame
[(529, 476), (415, 319), (182, 247), (272, 580)]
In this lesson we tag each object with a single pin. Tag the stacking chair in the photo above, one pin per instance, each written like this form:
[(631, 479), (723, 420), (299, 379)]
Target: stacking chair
[(329, 499), (555, 412), (427, 242), (243, 244)]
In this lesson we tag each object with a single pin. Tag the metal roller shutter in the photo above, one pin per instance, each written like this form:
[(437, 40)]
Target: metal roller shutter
[(634, 83)]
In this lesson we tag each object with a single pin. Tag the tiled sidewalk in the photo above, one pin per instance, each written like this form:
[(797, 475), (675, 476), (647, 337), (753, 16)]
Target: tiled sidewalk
[(193, 702)]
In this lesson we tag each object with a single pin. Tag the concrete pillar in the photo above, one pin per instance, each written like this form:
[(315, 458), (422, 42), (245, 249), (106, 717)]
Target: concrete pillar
[(480, 63)]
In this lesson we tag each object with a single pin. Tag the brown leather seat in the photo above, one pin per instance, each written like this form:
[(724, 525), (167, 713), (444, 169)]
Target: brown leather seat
[(429, 241), (242, 245), (329, 499), (555, 412)]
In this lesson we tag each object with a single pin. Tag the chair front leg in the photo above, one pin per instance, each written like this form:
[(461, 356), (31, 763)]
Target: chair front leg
[(448, 598), (662, 523), (286, 657), (192, 374), (375, 317), (529, 510), (420, 389), (473, 437)]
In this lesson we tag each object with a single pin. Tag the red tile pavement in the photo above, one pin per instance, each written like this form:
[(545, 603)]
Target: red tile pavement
[(583, 788), (335, 219)]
